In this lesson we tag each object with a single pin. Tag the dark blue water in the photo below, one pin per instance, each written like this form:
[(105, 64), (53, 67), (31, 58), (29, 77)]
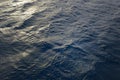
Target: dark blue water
[(60, 40)]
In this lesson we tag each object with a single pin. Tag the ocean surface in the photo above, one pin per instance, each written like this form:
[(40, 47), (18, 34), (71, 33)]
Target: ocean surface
[(59, 39)]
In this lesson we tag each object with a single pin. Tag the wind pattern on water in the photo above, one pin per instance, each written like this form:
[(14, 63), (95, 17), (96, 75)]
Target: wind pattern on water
[(60, 40)]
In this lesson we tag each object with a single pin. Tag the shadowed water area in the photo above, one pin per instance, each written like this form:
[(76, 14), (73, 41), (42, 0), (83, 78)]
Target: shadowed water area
[(59, 39)]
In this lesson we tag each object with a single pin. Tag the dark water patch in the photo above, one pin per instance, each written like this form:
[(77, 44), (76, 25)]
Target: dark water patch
[(7, 48), (104, 71), (43, 46), (25, 24)]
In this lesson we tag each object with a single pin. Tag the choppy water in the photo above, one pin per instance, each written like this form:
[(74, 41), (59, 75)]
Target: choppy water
[(60, 40)]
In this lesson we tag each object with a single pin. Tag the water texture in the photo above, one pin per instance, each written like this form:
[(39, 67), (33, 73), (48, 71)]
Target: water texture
[(60, 40)]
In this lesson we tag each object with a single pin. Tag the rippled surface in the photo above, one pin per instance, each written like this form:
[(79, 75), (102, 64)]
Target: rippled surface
[(60, 39)]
